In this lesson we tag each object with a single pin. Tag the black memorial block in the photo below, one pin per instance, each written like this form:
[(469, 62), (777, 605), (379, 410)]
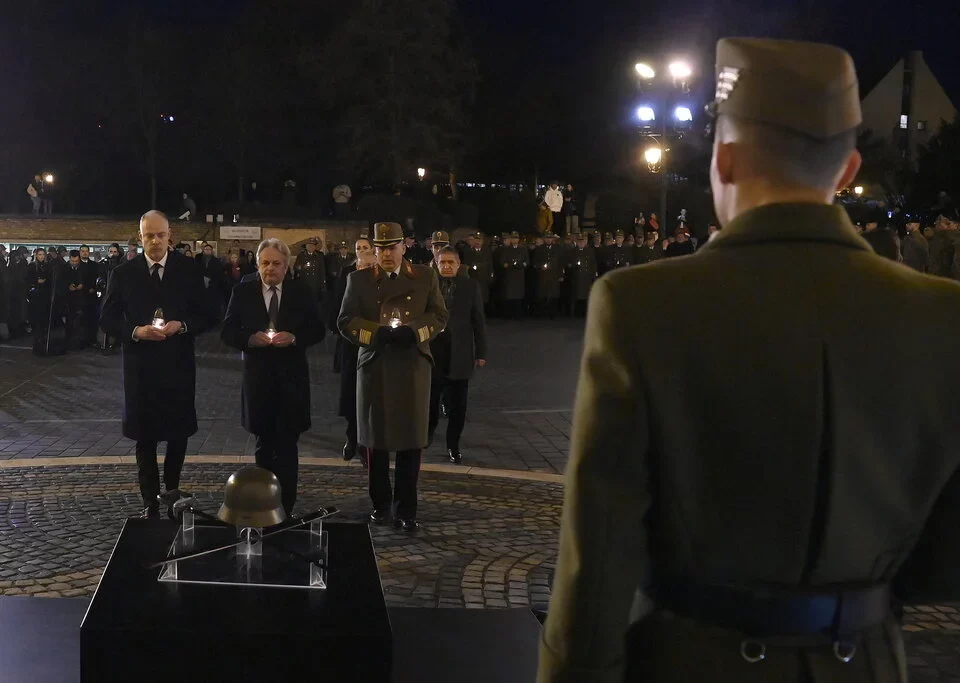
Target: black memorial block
[(140, 629)]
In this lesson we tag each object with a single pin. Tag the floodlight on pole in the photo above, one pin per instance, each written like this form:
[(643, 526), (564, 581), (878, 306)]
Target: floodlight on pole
[(645, 71), (421, 172), (646, 114), (683, 114), (653, 156), (680, 71)]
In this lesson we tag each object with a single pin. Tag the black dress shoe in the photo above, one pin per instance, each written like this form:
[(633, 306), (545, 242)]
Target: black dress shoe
[(349, 451), (151, 512), (455, 456), (378, 517), (408, 525)]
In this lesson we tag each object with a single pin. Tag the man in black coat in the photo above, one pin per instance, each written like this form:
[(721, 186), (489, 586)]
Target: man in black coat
[(211, 268), (273, 321), (154, 306), (89, 270), (345, 354), (460, 347)]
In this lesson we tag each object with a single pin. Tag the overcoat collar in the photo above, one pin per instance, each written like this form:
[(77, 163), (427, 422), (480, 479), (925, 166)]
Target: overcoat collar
[(790, 223)]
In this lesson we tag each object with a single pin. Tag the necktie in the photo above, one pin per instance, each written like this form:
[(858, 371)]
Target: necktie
[(155, 276), (274, 308), (393, 276)]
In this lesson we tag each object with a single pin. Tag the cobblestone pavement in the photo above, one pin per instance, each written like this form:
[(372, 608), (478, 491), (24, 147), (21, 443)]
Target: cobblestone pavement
[(519, 415), (485, 542)]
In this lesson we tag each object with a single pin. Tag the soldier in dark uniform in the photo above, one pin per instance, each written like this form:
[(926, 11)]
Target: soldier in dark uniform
[(336, 261), (77, 320), (651, 249), (580, 272), (312, 268), (752, 517), (512, 263), (944, 247), (392, 312), (479, 264), (546, 264)]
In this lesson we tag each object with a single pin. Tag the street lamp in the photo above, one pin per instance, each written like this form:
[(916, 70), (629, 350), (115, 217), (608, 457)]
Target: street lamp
[(683, 114), (646, 114), (653, 156), (680, 71), (421, 172), (858, 190), (645, 71)]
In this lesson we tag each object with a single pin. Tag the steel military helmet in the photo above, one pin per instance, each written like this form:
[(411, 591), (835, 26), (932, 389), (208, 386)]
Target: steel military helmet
[(251, 498)]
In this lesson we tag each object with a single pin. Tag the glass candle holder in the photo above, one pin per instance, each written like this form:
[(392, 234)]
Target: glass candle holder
[(158, 320)]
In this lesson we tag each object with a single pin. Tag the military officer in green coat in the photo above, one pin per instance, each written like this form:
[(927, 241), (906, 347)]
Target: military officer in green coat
[(546, 264), (511, 265), (312, 269), (779, 466), (618, 255), (392, 312), (479, 264), (580, 270)]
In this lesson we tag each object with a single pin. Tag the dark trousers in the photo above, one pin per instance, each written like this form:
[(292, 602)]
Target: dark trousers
[(351, 429), (405, 481), (279, 454), (454, 391), (148, 474)]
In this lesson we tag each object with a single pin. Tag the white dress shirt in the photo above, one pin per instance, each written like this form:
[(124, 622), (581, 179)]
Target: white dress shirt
[(162, 262), (267, 295)]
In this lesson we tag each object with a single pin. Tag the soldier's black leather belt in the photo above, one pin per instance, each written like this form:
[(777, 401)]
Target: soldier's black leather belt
[(767, 613)]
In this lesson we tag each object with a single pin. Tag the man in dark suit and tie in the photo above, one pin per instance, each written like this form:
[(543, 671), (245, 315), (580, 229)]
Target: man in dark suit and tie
[(457, 350), (273, 321), (154, 306)]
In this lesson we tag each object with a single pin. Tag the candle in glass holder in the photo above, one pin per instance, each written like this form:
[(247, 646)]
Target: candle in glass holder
[(395, 317), (158, 320), (271, 331)]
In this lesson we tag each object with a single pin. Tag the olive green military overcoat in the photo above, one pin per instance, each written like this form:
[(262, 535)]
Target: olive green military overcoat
[(798, 432), (393, 383)]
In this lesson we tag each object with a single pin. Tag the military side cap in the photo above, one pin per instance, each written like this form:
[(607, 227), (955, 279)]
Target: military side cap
[(313, 240), (809, 88), (387, 234), (440, 237), (608, 235), (549, 235), (515, 235), (619, 233)]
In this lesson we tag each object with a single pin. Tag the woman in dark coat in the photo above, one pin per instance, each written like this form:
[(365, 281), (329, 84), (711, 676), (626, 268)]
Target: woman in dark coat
[(345, 354)]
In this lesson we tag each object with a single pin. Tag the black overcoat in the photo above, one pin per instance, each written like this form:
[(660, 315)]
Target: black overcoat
[(159, 378), (276, 381)]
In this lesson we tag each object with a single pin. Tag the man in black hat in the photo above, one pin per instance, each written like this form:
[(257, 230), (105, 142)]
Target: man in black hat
[(392, 312)]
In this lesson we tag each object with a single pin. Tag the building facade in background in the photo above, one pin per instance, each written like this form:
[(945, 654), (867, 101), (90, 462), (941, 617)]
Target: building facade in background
[(908, 106)]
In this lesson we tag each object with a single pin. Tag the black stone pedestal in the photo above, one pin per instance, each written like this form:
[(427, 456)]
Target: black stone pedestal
[(140, 629)]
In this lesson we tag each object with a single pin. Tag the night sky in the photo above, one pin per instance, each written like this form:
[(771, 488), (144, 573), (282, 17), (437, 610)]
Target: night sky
[(576, 56)]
